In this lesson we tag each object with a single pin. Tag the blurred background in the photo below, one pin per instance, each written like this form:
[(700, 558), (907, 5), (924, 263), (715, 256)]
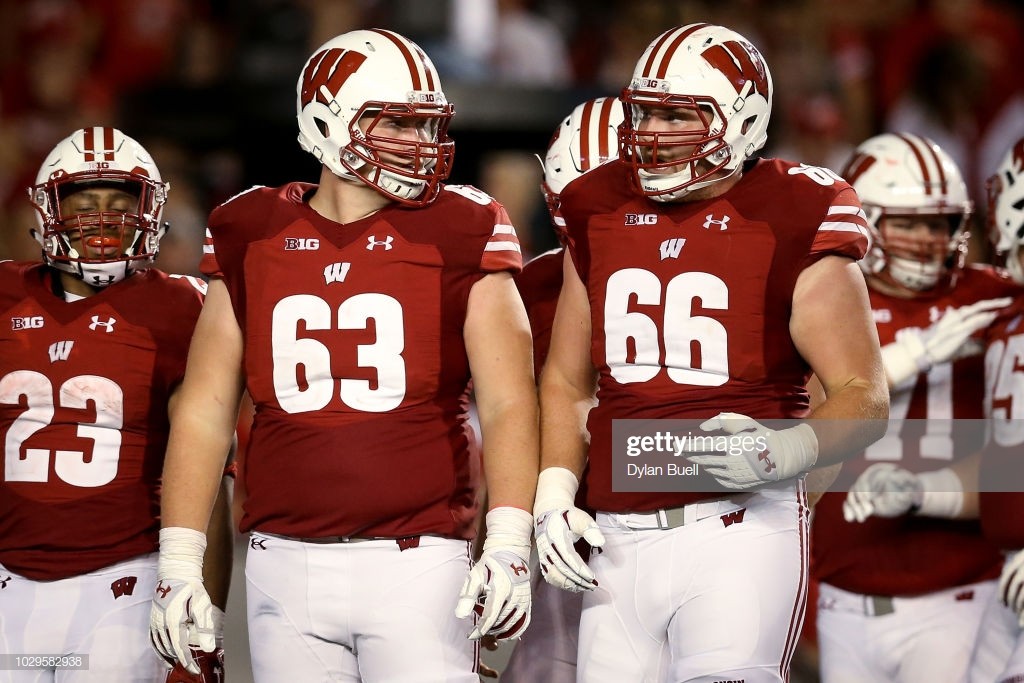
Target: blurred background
[(208, 86)]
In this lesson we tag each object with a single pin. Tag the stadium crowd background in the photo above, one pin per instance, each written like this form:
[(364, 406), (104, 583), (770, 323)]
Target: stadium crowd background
[(208, 86)]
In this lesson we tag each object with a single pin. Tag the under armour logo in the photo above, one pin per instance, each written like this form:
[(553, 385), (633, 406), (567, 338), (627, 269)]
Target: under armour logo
[(3, 583), (372, 242), (102, 280), (765, 457), (734, 517), (60, 350), (257, 543), (162, 589), (722, 223), (124, 586), (108, 324), (519, 569)]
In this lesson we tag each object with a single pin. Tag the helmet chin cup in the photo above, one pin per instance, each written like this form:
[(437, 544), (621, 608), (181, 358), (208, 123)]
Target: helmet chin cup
[(914, 275)]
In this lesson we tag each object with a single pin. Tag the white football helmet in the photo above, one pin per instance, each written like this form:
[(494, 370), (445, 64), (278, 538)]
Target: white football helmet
[(380, 74), (717, 73), (1006, 209), (105, 157), (587, 138), (902, 174)]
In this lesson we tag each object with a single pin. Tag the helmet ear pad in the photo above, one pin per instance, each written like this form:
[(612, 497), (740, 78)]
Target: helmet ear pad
[(355, 93), (99, 158)]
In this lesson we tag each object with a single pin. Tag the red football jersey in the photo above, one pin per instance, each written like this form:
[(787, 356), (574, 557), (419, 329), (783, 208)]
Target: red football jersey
[(355, 359), (84, 388), (912, 555), (539, 285), (1002, 496), (690, 302)]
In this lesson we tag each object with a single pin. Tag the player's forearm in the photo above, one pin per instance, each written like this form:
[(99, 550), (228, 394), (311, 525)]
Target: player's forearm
[(851, 419), (511, 451), (193, 468), (563, 432)]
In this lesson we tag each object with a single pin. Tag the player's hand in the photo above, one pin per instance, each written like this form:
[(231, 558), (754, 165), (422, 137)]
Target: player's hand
[(182, 612), (947, 339), (559, 524), (498, 585), (759, 455), (882, 490), (1011, 585)]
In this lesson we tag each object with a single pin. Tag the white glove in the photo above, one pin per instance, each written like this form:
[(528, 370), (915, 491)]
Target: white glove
[(758, 456), (500, 580), (182, 611), (916, 351), (559, 524), (883, 490), (1011, 585)]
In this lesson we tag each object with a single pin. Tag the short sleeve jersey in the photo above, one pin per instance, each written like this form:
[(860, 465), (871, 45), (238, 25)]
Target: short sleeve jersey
[(84, 388), (690, 301), (1001, 502), (911, 555), (355, 359)]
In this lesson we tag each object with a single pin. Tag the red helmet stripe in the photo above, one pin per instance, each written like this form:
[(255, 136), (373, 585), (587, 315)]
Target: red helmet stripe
[(683, 33), (914, 142), (428, 71), (857, 166), (89, 143), (603, 122), (588, 111), (410, 59)]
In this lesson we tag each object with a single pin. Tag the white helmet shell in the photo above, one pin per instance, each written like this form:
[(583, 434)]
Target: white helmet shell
[(903, 174), (101, 156), (377, 73), (721, 75), (1006, 209)]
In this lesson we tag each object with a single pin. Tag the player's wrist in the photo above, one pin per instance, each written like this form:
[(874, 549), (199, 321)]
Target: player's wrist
[(181, 553), (941, 494), (556, 490)]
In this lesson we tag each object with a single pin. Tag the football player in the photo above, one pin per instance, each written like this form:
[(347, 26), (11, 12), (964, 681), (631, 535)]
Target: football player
[(998, 653), (587, 138), (902, 595), (91, 363), (355, 312), (700, 282)]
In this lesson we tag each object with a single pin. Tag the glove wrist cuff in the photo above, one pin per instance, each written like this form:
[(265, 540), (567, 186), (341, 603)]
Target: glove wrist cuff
[(556, 489), (942, 494), (181, 553), (804, 447)]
